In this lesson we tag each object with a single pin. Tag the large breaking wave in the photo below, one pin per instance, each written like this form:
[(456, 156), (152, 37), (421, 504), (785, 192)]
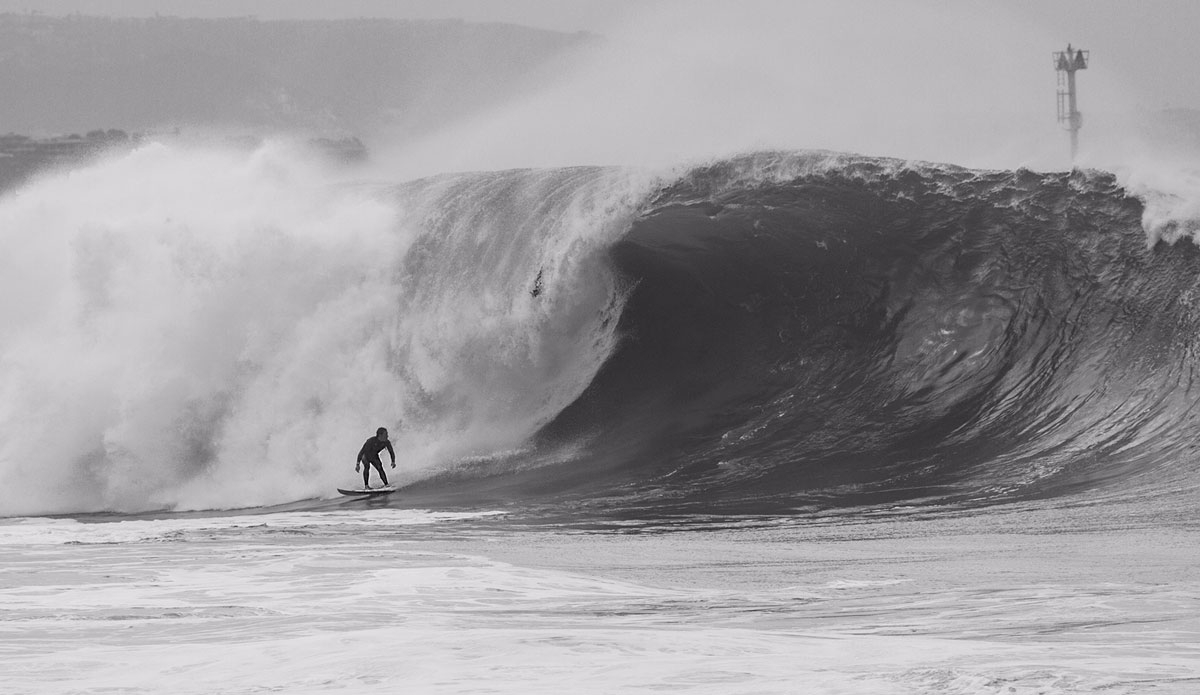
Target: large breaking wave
[(781, 330), (814, 330)]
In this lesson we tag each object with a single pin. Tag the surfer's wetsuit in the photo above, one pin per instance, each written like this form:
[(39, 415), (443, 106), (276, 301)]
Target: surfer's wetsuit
[(369, 454)]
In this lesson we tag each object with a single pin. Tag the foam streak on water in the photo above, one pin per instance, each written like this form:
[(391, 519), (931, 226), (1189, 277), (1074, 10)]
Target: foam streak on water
[(390, 600)]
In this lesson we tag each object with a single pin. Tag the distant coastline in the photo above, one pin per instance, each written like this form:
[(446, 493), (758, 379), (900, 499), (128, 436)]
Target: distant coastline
[(23, 156)]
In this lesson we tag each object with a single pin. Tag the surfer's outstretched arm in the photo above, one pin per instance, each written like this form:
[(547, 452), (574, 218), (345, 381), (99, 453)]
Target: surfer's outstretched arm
[(391, 453)]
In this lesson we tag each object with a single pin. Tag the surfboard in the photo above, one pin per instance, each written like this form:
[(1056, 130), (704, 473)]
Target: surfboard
[(360, 491)]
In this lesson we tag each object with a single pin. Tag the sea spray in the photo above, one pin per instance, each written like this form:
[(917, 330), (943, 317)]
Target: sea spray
[(195, 328), (1170, 193)]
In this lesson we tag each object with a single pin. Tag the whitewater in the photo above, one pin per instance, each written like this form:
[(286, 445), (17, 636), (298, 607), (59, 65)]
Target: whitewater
[(786, 421), (219, 333)]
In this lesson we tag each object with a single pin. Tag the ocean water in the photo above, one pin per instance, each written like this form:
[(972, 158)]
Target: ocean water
[(790, 422), (391, 598)]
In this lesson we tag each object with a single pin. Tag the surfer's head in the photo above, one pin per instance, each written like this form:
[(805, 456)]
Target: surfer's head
[(381, 433)]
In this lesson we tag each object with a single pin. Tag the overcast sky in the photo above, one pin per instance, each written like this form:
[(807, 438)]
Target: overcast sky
[(970, 81), (561, 15), (1148, 44)]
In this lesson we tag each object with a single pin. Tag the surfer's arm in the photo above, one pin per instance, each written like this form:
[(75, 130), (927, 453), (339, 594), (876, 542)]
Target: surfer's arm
[(392, 454)]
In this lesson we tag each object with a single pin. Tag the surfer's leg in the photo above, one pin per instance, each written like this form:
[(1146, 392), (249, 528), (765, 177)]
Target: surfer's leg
[(382, 475), (366, 474)]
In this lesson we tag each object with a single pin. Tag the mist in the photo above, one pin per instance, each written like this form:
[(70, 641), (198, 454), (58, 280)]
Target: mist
[(964, 83)]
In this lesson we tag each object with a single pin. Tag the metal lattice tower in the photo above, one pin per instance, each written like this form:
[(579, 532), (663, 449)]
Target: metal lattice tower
[(1066, 63)]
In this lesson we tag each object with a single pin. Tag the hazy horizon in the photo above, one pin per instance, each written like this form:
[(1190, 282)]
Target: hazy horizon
[(965, 82), (1147, 45)]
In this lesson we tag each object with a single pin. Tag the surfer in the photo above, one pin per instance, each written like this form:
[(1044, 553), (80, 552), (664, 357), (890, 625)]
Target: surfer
[(368, 456)]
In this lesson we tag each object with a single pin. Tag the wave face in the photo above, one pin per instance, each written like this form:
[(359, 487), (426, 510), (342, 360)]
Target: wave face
[(815, 330), (187, 329)]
